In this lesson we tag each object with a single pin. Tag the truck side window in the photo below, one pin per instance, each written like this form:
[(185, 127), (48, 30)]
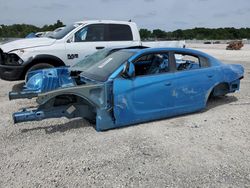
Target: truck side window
[(95, 32), (120, 32)]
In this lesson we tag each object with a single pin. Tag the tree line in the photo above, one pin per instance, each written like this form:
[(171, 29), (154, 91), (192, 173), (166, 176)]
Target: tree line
[(22, 30), (197, 33)]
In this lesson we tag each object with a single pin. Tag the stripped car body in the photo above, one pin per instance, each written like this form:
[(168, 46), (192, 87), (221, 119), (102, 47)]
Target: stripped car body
[(136, 85)]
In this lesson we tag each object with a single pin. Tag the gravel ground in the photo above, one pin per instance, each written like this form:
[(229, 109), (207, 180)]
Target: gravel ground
[(206, 149)]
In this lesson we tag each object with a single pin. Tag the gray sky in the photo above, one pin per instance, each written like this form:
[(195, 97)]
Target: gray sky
[(151, 14)]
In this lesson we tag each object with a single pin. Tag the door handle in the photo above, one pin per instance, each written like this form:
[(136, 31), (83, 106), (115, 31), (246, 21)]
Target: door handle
[(99, 47), (210, 76), (168, 84)]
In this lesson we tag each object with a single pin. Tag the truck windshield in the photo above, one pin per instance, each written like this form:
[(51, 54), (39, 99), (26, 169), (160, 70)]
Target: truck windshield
[(101, 70), (62, 33)]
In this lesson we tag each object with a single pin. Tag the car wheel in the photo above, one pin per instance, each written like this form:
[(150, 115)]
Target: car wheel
[(37, 67)]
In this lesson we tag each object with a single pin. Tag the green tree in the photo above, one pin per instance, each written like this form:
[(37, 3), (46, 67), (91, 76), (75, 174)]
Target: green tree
[(157, 33), (145, 33), (53, 26), (21, 30)]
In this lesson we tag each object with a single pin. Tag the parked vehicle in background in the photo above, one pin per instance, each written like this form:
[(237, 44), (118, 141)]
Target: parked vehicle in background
[(44, 33), (118, 90), (235, 45), (207, 42), (69, 45)]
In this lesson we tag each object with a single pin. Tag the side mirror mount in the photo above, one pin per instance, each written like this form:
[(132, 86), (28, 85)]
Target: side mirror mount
[(70, 40), (128, 70)]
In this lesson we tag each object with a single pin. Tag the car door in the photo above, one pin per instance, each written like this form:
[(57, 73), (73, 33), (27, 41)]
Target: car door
[(192, 83), (144, 97)]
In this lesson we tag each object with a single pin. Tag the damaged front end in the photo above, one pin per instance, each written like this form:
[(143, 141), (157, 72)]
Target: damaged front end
[(84, 90), (44, 80), (88, 100)]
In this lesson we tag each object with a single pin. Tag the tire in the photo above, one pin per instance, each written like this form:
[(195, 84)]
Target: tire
[(38, 66), (221, 90)]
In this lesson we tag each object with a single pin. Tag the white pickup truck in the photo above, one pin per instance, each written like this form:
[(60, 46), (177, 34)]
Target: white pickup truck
[(69, 45)]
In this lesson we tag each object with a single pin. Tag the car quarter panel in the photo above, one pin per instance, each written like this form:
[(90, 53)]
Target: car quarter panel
[(192, 88)]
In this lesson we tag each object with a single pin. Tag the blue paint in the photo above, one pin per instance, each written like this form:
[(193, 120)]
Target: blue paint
[(44, 80), (48, 79)]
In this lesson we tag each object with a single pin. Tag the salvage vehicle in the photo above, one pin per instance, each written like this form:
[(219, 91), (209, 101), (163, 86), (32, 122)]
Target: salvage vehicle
[(69, 45), (131, 86)]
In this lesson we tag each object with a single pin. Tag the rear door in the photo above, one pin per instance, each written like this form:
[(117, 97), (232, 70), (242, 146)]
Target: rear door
[(193, 79)]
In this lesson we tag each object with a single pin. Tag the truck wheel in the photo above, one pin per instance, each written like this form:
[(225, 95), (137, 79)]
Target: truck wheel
[(39, 66)]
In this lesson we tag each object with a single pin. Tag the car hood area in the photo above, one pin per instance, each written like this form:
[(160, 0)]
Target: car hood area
[(26, 43), (44, 80)]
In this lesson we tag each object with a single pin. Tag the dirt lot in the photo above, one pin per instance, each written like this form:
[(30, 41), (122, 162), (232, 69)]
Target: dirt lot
[(206, 149)]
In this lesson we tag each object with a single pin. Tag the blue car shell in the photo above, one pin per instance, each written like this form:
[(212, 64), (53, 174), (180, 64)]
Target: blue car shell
[(150, 84)]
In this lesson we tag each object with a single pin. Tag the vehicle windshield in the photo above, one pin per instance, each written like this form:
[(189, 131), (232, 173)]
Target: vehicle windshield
[(91, 59), (62, 33), (101, 70)]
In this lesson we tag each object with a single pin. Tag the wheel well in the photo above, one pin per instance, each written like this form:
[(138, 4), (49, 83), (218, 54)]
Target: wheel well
[(76, 105), (220, 90), (56, 62)]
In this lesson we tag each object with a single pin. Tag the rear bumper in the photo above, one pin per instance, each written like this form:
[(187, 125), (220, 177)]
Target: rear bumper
[(11, 73)]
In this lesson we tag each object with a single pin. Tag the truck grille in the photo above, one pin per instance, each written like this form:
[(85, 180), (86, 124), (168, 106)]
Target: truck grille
[(8, 59)]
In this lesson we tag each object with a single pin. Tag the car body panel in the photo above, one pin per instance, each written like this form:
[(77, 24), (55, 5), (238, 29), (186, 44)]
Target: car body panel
[(44, 80), (132, 97), (26, 43)]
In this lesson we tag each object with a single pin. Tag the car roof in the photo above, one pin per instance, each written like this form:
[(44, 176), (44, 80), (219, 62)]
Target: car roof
[(181, 50)]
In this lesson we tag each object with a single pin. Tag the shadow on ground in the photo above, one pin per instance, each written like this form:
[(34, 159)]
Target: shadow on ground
[(218, 101), (74, 124), (80, 123), (18, 87)]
